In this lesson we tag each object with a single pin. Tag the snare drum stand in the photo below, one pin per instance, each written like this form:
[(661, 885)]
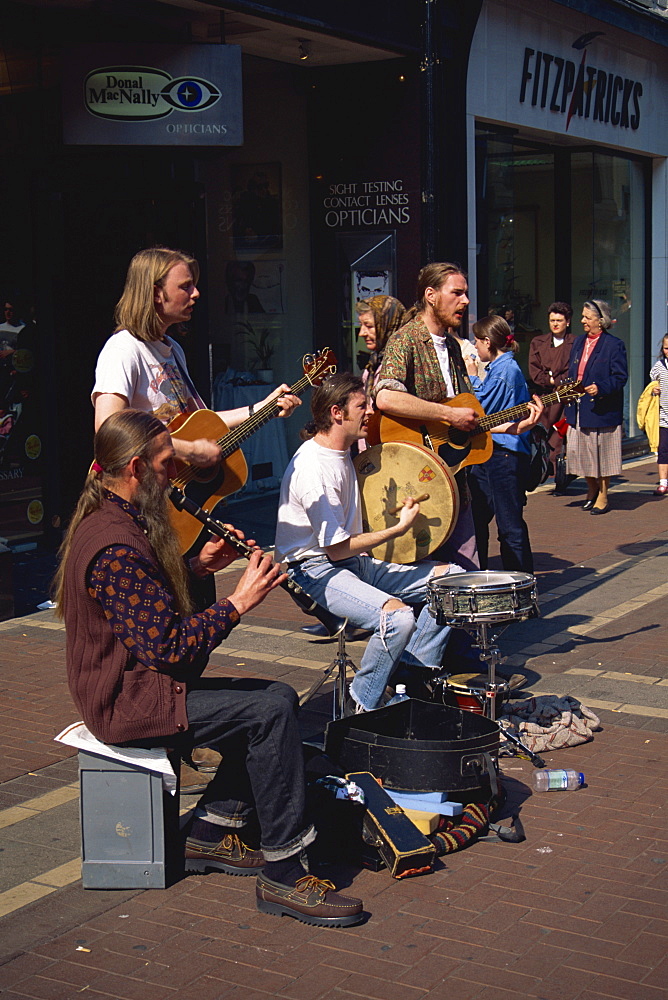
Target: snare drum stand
[(490, 654)]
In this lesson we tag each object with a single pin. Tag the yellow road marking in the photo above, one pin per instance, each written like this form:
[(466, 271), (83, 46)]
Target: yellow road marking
[(22, 895), (41, 803), (60, 876)]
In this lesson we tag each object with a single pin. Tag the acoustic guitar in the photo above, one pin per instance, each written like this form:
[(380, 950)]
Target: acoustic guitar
[(207, 487), (460, 448)]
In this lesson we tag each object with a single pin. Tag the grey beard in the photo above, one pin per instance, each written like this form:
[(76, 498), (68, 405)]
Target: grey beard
[(151, 501)]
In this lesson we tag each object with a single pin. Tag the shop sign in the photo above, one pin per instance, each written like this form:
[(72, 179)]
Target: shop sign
[(366, 204), (539, 66), (153, 95), (551, 81)]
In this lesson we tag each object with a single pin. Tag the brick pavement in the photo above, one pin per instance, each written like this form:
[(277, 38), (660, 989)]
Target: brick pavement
[(576, 911)]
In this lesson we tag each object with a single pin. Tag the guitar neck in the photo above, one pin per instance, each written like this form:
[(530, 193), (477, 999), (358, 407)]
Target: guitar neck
[(235, 438), (516, 412)]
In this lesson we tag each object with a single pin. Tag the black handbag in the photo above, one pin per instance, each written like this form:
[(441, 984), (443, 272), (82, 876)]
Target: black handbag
[(539, 462)]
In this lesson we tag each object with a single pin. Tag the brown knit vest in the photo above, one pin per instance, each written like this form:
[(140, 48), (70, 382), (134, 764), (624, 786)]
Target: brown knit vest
[(119, 698)]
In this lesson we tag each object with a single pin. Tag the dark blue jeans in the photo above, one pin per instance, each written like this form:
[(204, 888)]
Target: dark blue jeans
[(497, 491), (253, 724)]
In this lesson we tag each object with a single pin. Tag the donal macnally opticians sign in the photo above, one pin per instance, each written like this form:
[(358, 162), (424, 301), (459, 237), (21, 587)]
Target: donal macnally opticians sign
[(153, 95), (591, 92), (143, 93)]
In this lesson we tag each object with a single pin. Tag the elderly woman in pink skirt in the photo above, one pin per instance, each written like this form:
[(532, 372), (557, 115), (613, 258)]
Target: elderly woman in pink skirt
[(594, 440)]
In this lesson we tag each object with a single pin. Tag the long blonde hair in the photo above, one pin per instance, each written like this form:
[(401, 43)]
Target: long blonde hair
[(135, 310), (123, 435)]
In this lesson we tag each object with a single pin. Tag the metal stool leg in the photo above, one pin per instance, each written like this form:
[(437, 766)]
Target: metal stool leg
[(340, 663)]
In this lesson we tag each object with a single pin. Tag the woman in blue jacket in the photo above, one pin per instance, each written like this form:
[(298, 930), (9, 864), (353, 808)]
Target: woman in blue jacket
[(594, 440), (497, 486)]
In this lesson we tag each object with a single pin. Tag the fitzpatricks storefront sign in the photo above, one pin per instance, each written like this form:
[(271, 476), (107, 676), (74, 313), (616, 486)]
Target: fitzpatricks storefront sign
[(551, 81), (536, 64), (147, 95)]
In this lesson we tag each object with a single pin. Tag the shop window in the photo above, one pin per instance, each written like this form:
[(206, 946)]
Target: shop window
[(515, 235), (608, 252)]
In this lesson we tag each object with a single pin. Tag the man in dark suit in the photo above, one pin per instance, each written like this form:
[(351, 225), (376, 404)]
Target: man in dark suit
[(548, 368)]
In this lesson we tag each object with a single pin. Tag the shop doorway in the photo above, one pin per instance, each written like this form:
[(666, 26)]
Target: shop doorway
[(556, 223)]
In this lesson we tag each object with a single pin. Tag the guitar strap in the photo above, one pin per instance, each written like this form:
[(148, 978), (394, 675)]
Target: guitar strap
[(460, 378), (186, 382)]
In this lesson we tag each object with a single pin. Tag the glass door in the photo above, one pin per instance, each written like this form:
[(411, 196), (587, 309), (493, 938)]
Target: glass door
[(608, 253)]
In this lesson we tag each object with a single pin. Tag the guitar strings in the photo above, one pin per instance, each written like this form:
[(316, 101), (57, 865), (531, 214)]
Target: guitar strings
[(233, 438), (523, 408)]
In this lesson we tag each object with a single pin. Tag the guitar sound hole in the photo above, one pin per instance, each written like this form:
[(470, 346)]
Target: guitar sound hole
[(458, 437), (206, 476)]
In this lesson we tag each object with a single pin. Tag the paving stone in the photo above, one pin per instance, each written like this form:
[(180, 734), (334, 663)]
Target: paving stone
[(575, 922)]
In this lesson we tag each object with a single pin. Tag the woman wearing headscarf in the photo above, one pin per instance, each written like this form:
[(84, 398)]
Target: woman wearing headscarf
[(594, 440), (379, 317)]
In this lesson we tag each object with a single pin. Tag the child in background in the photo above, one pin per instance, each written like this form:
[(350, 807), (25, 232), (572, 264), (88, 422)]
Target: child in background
[(659, 373)]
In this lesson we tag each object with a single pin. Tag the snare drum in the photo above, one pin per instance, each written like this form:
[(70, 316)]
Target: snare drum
[(467, 692), (483, 596)]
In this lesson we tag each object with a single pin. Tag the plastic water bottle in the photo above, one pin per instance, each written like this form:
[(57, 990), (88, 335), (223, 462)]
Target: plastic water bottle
[(399, 695), (557, 780)]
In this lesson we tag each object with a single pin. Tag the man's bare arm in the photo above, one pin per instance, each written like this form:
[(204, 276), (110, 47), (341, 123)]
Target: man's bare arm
[(403, 404), (356, 544)]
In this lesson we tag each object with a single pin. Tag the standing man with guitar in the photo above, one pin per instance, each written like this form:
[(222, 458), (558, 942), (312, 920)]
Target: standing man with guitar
[(141, 367), (423, 369)]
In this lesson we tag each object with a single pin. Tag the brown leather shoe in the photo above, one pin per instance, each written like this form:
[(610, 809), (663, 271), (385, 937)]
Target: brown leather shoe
[(191, 782), (205, 759), (231, 855), (312, 900)]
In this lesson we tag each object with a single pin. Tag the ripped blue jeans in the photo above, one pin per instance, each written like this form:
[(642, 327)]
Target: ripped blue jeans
[(356, 589)]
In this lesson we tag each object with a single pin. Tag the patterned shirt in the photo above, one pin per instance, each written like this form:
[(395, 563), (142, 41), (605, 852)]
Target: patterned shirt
[(139, 606), (410, 364)]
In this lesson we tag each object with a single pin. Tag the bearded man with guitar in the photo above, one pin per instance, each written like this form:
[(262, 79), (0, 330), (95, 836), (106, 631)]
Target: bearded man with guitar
[(421, 373)]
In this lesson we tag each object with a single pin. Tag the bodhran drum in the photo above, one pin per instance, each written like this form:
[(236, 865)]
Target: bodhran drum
[(469, 692), (387, 474), (483, 596)]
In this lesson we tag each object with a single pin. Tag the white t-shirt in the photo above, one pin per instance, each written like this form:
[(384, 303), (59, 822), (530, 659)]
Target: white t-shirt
[(320, 502), (147, 375), (443, 356)]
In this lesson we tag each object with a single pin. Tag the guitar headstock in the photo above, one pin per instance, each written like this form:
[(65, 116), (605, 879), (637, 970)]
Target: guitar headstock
[(570, 390), (318, 366)]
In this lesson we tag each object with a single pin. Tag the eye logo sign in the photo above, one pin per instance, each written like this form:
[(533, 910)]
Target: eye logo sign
[(143, 93)]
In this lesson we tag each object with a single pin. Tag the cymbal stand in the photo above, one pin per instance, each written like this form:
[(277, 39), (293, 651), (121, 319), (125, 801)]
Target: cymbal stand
[(340, 663)]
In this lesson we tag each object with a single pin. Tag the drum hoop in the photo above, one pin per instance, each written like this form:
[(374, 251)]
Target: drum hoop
[(449, 584)]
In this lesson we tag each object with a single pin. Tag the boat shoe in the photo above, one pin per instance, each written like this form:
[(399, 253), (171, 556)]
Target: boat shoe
[(311, 900), (231, 855)]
